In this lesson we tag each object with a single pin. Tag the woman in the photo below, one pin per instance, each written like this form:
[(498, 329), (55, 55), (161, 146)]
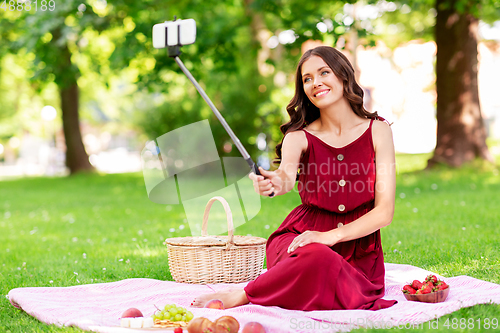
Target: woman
[(327, 253)]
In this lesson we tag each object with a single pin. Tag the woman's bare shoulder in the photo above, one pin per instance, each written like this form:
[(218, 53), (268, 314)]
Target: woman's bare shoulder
[(296, 139), (381, 133), (381, 128)]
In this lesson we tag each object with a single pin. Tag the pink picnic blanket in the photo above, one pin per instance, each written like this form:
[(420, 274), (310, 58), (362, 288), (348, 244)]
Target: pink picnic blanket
[(97, 307)]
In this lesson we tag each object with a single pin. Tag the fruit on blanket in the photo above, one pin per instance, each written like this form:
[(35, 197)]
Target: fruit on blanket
[(426, 289), (177, 330), (407, 289), (253, 327), (173, 312), (201, 325), (215, 304), (430, 285), (132, 313), (226, 324), (441, 285), (431, 290), (416, 284), (431, 278)]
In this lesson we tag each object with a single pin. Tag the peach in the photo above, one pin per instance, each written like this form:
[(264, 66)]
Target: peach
[(253, 327), (215, 304), (132, 313)]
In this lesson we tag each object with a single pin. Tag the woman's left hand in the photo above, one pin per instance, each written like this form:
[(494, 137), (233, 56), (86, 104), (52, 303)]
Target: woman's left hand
[(308, 237)]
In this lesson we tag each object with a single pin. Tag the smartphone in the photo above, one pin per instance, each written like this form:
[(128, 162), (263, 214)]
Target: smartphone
[(174, 33)]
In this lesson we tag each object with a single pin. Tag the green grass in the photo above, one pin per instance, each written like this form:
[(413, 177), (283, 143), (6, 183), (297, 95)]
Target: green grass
[(446, 221)]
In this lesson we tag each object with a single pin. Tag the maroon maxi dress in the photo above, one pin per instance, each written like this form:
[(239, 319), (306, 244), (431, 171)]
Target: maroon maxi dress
[(336, 186)]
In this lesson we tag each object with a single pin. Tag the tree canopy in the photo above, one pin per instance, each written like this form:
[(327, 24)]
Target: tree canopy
[(244, 56)]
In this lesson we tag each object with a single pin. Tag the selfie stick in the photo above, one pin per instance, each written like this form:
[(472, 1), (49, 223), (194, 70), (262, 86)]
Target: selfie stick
[(174, 52)]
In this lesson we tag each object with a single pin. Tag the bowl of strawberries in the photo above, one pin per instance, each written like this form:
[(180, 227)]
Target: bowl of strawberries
[(431, 290)]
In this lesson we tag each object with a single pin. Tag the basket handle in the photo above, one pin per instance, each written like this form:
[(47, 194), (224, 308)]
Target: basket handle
[(229, 216)]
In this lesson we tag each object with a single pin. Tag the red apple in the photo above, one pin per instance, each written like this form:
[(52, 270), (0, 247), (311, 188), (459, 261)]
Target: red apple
[(215, 304), (132, 313), (253, 327)]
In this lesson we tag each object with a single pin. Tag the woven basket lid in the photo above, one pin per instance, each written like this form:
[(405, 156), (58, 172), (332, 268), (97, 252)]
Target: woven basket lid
[(210, 241)]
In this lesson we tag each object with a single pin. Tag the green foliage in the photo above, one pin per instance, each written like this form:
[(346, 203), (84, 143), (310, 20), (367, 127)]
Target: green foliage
[(490, 11), (445, 222), (108, 51), (52, 36), (404, 24), (20, 103), (223, 60), (487, 10)]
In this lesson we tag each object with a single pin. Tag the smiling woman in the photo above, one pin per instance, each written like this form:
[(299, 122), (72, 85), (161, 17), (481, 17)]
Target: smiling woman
[(327, 253), (321, 85), (335, 69)]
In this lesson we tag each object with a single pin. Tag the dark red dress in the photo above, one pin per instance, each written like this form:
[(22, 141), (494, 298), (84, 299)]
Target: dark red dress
[(336, 186)]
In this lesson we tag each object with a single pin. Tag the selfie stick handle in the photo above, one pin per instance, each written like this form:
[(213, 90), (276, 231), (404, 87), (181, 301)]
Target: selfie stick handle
[(228, 129)]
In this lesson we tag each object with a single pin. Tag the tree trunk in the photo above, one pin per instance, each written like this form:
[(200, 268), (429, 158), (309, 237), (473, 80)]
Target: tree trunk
[(76, 157), (461, 134)]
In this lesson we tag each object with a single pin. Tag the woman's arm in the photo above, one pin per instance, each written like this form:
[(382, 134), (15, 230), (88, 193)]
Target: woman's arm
[(385, 191), (283, 179)]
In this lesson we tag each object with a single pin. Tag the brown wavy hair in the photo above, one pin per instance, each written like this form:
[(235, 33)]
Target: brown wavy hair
[(302, 112)]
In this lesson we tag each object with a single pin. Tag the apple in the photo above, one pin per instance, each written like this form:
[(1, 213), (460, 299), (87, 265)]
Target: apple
[(132, 313), (215, 304), (253, 327)]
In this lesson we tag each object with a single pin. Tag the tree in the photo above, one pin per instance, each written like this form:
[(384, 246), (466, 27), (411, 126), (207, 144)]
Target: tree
[(66, 75), (461, 134), (51, 34), (223, 60), (231, 58)]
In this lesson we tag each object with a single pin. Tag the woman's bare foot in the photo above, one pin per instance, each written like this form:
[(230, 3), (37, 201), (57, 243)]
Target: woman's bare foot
[(230, 298)]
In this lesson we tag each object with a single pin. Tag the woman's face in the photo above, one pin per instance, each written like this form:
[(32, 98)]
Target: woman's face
[(321, 85)]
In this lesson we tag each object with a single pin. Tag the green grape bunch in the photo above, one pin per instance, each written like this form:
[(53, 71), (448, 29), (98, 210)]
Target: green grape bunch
[(173, 312)]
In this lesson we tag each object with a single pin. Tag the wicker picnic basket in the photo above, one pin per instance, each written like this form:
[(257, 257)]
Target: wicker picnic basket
[(216, 259)]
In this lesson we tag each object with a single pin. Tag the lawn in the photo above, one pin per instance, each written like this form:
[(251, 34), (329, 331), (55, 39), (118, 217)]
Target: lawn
[(102, 228)]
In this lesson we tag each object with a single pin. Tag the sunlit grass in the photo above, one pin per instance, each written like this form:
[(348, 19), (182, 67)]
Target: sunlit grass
[(105, 229)]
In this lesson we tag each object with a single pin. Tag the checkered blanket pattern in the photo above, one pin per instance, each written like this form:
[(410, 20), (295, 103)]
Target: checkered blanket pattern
[(97, 307)]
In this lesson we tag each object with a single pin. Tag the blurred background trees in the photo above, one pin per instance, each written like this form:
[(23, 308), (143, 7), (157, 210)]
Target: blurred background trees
[(49, 39), (461, 134), (94, 62)]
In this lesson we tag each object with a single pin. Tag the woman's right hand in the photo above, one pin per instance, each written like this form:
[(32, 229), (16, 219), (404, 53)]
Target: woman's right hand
[(266, 183)]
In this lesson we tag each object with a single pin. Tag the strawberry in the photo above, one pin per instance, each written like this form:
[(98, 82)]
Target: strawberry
[(426, 289), (441, 285), (416, 284), (409, 290), (431, 278)]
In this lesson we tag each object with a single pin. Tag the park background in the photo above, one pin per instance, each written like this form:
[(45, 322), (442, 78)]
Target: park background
[(82, 91)]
